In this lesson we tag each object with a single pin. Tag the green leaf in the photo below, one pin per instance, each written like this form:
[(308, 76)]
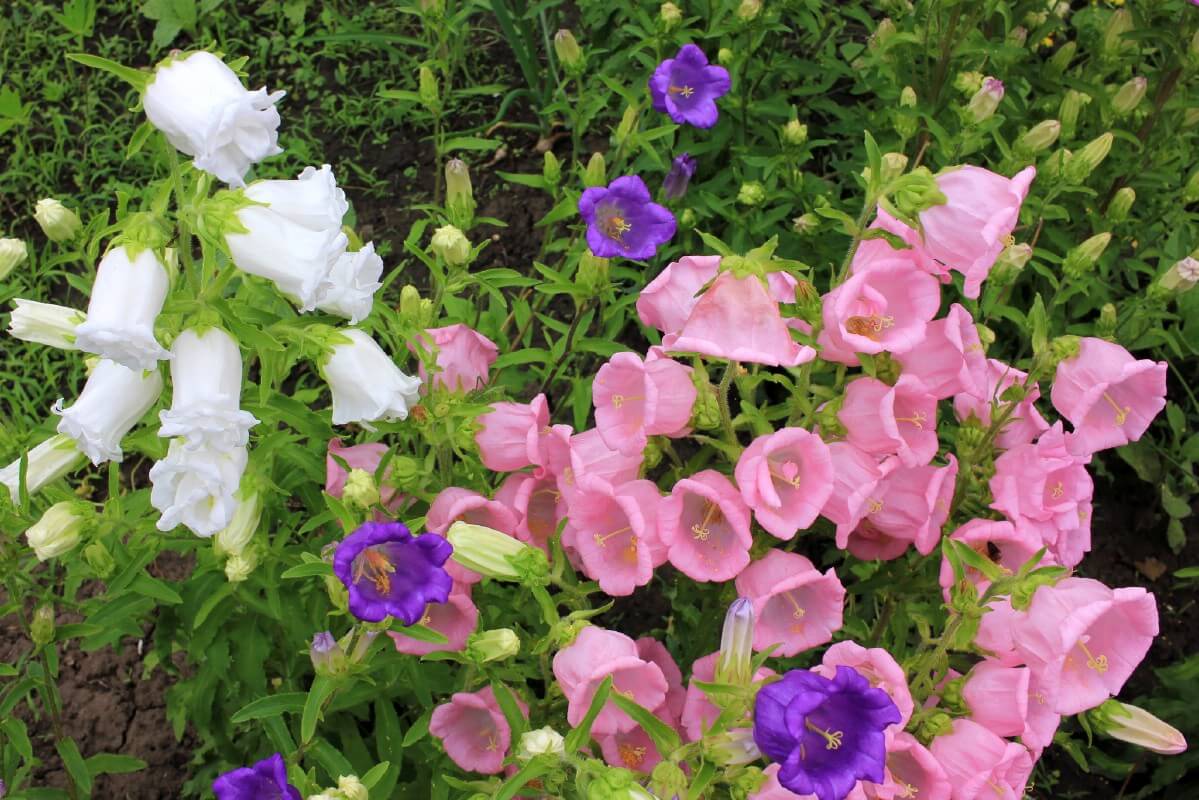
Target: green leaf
[(700, 782), (273, 706), (375, 774), (322, 688), (308, 570), (469, 143), (134, 77), (138, 140), (579, 736), (535, 768), (665, 738), (331, 759), (114, 764), (419, 632), (17, 734), (507, 703), (419, 729), (72, 759), (156, 589)]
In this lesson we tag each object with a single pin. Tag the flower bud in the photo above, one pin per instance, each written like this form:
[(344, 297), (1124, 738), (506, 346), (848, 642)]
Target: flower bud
[(428, 91), (749, 10), (239, 567), (595, 174), (752, 193), (450, 245), (1017, 36), (494, 645), (1041, 136), (45, 323), (882, 33), (1105, 327), (628, 122), (1118, 24), (668, 780), (1060, 61), (459, 196), (1129, 96), (732, 748), (1084, 162), (968, 82), (1072, 104), (551, 169), (1082, 258), (12, 253), (1190, 191), (241, 529), (59, 223), (327, 656), (1134, 725), (984, 102), (433, 8), (351, 788), (907, 97), (540, 742), (99, 559), (361, 490), (41, 627), (592, 275), (805, 224), (736, 644), (1010, 264), (57, 532), (1181, 276), (410, 303), (1121, 204), (675, 184), (795, 133), (893, 166), (485, 550), (670, 16), (687, 219), (570, 55)]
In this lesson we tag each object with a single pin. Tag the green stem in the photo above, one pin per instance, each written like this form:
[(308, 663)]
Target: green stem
[(722, 399), (859, 231)]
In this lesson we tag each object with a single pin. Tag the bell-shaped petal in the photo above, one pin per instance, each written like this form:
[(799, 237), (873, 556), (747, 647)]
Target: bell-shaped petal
[(126, 298), (111, 403), (366, 384)]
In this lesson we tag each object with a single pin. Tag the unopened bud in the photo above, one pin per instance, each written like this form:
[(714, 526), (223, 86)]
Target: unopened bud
[(434, 8), (542, 741), (725, 56), (1084, 162), (12, 253), (628, 122), (670, 16), (1082, 258), (687, 219), (1181, 276), (451, 245), (551, 169), (1041, 136), (751, 193), (893, 166), (732, 748), (668, 780), (41, 628), (1129, 96), (1018, 36), (907, 97), (361, 490), (486, 551), (99, 559), (592, 275), (1117, 210), (351, 788), (1105, 327), (1059, 62), (736, 644), (494, 645), (237, 534), (595, 173), (1118, 24), (239, 567), (327, 656), (430, 95), (58, 530), (410, 303), (795, 133), (570, 55), (1135, 725), (984, 102), (805, 224), (885, 30), (749, 10), (1010, 264), (459, 194), (1072, 103), (968, 82), (59, 223)]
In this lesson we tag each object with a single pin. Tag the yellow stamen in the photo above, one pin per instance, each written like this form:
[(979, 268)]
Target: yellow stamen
[(798, 613), (1009, 240), (908, 790), (701, 529), (1057, 491), (874, 506), (492, 744), (1097, 663), (996, 788), (870, 326), (615, 228), (792, 482), (1039, 697), (568, 475), (426, 619), (554, 492), (601, 540), (918, 419), (375, 567), (685, 91), (1121, 411), (618, 400), (631, 756), (832, 739)]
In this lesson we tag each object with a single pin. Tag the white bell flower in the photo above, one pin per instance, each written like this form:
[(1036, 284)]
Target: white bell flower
[(296, 258), (540, 742), (45, 323), (58, 530), (13, 253), (206, 112), (312, 200), (197, 488), (112, 401), (59, 223), (126, 298), (47, 462), (206, 392), (366, 384), (353, 282)]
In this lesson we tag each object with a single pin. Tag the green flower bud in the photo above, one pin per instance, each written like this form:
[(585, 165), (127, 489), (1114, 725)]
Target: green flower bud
[(1072, 103), (1181, 276), (1063, 347), (1040, 137), (1106, 325), (1130, 95), (430, 95), (351, 788), (240, 566), (494, 645), (1059, 62), (935, 725), (986, 336), (795, 133), (1135, 725), (732, 748), (736, 645), (451, 245), (628, 122), (1117, 210), (1190, 191), (241, 529), (1118, 24), (459, 194), (749, 10), (985, 101), (882, 33), (12, 253), (99, 559), (1035, 19), (570, 55), (596, 172), (1082, 258), (327, 655), (59, 223), (652, 455), (551, 168), (968, 82), (1017, 36), (486, 551), (752, 193), (1009, 265), (907, 98), (433, 8), (805, 224), (687, 219), (670, 16), (705, 414), (893, 166), (1084, 162), (59, 529), (724, 56), (361, 490), (592, 275), (409, 302), (668, 780), (41, 628), (1055, 165)]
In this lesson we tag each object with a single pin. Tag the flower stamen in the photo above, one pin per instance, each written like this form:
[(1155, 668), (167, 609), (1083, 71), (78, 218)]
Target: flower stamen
[(1097, 663), (615, 227), (1057, 491), (631, 756), (918, 419), (685, 91), (375, 567), (701, 530), (601, 539), (870, 326), (832, 739), (1121, 411), (618, 400)]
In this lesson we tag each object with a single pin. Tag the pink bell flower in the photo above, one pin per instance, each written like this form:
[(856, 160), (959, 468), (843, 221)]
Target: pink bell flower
[(635, 399), (667, 301), (795, 605), (737, 319), (981, 765), (1109, 397), (456, 619), (474, 731), (912, 773), (698, 711), (909, 506), (1025, 423), (891, 420), (855, 475), (595, 654), (588, 454), (875, 665), (614, 531), (885, 308), (537, 504), (969, 231), (704, 524), (872, 253), (997, 697), (786, 477), (1087, 638), (950, 359), (510, 436), (1042, 721), (773, 790), (633, 749), (653, 651), (463, 357), (455, 504)]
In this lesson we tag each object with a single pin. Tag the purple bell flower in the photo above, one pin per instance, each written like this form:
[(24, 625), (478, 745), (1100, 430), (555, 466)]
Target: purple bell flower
[(388, 571), (825, 734), (622, 220), (686, 87), (679, 177), (266, 780)]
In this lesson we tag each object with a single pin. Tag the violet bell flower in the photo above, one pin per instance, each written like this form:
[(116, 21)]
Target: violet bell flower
[(682, 169), (622, 220), (266, 780), (686, 87), (388, 571)]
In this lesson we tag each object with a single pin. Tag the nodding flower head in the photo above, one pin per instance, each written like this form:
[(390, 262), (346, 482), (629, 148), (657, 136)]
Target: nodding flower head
[(390, 572), (623, 221)]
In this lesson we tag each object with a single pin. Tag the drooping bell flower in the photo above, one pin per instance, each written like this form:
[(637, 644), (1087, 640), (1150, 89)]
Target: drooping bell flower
[(997, 697), (206, 391), (826, 734), (636, 399), (1007, 545), (912, 772), (455, 619), (686, 87), (366, 384), (795, 605), (699, 712), (1109, 397), (666, 302), (1087, 637), (455, 504), (45, 323), (980, 764), (297, 259), (786, 477), (49, 461), (891, 420), (389, 572), (349, 291), (886, 308), (704, 524), (1024, 424), (1041, 721), (266, 780), (909, 506), (588, 454), (614, 531), (1135, 725), (197, 487), (111, 403), (682, 168), (474, 731), (950, 360), (509, 436), (537, 504), (737, 319), (872, 253), (464, 357), (855, 475), (126, 298), (205, 112), (595, 654), (623, 221), (874, 664), (313, 199), (969, 231)]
